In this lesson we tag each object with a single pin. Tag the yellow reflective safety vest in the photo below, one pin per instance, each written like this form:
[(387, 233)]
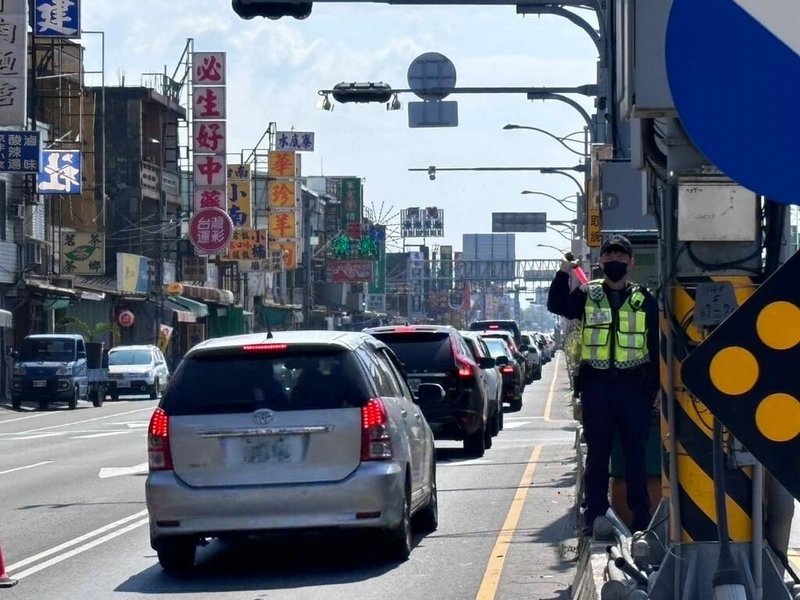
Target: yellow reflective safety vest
[(614, 338)]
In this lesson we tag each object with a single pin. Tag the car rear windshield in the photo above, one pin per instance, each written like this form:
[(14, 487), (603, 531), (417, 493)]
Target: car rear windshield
[(129, 357), (497, 347), (420, 350), (286, 380)]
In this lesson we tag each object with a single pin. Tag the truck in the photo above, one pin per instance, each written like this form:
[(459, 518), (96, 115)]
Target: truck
[(50, 368)]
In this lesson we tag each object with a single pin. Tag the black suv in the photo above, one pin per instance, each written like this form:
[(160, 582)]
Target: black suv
[(503, 325), (438, 354)]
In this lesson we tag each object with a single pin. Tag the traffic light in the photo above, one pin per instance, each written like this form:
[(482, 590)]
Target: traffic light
[(248, 9), (362, 92)]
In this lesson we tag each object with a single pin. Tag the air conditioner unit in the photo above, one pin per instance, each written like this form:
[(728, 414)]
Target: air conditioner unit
[(16, 211), (33, 253)]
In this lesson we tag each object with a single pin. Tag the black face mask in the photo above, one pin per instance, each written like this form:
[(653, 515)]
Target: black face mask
[(615, 270)]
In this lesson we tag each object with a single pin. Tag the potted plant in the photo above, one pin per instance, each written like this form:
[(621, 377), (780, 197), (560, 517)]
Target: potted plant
[(94, 350)]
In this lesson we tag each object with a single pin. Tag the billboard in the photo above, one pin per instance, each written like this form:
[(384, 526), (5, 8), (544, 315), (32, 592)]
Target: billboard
[(418, 222), (489, 256), (522, 222)]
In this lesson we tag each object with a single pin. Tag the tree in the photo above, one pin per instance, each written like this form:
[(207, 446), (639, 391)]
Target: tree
[(90, 332)]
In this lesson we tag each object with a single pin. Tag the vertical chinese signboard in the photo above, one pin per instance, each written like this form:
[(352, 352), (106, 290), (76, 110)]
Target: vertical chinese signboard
[(284, 193), (13, 63), (209, 145), (240, 192), (376, 299), (248, 244), (351, 206)]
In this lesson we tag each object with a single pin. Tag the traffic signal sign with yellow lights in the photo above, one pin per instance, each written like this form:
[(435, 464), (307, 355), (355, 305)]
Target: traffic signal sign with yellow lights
[(748, 373)]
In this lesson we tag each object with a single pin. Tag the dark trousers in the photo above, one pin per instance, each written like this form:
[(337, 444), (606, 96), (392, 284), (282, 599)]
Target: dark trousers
[(616, 404)]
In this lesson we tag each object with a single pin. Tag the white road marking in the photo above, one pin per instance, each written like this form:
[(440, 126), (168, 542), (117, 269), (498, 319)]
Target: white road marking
[(39, 464), (98, 435), (79, 550), (107, 472), (35, 436), (36, 416), (75, 541), (130, 412), (515, 424), (779, 17)]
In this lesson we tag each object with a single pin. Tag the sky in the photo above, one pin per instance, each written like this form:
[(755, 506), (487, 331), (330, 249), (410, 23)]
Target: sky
[(275, 69)]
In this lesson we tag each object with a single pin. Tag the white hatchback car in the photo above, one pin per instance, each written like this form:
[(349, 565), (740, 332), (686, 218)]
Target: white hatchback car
[(136, 370), (306, 430)]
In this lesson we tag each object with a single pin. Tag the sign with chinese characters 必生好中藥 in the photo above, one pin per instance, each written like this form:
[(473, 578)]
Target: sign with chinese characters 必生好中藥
[(248, 244), (83, 253), (240, 191), (211, 230), (209, 234), (57, 19), (209, 137), (20, 152), (295, 141), (61, 172)]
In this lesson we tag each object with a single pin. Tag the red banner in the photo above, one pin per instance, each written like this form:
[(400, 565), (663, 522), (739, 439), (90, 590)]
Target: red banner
[(351, 271)]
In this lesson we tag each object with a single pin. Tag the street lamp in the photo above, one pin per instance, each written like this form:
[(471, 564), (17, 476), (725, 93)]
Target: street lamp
[(552, 247), (560, 139), (431, 170), (561, 201)]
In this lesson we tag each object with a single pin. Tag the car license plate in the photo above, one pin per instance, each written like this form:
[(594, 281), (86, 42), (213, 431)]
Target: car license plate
[(414, 385), (123, 384), (39, 383), (270, 450)]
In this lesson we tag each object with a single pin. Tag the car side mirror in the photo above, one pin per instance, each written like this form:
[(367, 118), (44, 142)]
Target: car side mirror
[(501, 361), (430, 392), (486, 362), (15, 354), (81, 355)]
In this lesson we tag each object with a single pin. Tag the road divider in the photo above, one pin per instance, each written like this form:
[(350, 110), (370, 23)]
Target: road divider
[(76, 545)]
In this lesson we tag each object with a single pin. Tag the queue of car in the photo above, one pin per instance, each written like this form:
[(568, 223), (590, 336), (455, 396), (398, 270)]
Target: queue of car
[(309, 431)]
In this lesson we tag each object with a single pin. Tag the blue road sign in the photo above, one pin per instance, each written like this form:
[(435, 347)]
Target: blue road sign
[(734, 70), (61, 172)]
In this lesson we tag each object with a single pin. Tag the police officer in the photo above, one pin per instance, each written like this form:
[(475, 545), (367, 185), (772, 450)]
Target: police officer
[(618, 374)]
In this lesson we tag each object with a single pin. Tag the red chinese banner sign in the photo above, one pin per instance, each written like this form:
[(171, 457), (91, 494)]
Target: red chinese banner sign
[(350, 271)]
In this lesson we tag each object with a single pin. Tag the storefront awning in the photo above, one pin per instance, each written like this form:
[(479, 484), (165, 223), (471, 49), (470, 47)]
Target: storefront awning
[(196, 308), (182, 315), (53, 291), (6, 319), (208, 294)]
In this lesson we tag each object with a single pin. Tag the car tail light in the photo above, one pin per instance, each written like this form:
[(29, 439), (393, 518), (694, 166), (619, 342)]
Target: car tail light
[(494, 326), (507, 369), (264, 347), (376, 443), (159, 455), (466, 367)]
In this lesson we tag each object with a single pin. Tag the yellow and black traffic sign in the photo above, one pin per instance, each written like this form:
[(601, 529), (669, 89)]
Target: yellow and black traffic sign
[(747, 373)]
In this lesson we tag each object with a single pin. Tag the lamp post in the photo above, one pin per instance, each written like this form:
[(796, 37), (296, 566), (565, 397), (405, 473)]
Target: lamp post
[(560, 251), (560, 139), (561, 201)]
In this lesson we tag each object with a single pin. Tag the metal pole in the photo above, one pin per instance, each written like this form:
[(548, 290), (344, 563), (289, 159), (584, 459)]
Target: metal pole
[(758, 530)]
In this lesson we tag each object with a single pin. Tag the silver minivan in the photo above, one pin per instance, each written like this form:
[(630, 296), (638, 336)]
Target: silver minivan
[(304, 430)]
